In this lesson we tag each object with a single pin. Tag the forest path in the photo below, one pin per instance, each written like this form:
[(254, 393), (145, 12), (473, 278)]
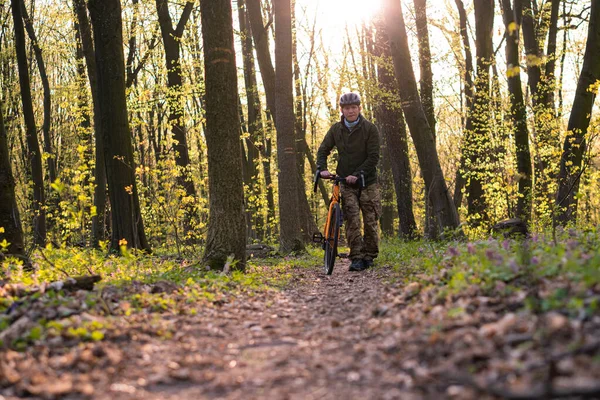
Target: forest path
[(308, 341), (365, 335)]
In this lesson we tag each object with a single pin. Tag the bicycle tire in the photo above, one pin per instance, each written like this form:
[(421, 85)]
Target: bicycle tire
[(331, 239)]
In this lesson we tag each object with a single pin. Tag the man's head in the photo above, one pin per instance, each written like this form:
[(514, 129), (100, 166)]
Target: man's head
[(350, 106)]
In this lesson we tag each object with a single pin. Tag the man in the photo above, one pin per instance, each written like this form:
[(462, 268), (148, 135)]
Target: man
[(357, 142)]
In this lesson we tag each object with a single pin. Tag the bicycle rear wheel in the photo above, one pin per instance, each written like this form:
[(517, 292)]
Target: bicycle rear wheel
[(332, 238)]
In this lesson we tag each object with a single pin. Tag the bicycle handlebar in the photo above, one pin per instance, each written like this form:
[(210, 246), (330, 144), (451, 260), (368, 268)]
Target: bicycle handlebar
[(339, 179)]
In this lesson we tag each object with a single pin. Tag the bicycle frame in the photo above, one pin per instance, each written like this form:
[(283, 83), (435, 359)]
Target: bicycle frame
[(335, 199)]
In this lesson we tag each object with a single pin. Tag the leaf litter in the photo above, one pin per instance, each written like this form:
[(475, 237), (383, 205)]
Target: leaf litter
[(349, 335)]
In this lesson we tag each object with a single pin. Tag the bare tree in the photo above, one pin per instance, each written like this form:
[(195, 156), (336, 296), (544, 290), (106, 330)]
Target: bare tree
[(469, 90), (34, 157), (87, 46), (37, 51), (126, 218), (575, 144), (171, 40), (435, 184), (426, 92), (518, 111)]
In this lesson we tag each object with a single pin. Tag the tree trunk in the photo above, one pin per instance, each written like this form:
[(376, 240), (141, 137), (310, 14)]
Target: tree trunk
[(460, 181), (226, 226), (34, 157), (426, 86), (10, 222), (307, 222), (541, 85), (518, 112), (267, 72), (171, 41), (478, 140), (37, 50), (263, 53), (98, 220), (393, 129), (574, 146), (126, 218), (255, 124), (386, 180), (435, 184), (290, 234)]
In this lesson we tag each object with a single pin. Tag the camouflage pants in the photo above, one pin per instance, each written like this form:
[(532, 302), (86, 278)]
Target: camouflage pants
[(370, 205)]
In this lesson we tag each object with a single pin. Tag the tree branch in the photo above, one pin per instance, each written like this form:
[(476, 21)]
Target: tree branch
[(185, 16)]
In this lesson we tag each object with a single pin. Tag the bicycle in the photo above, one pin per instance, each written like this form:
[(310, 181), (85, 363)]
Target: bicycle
[(330, 239)]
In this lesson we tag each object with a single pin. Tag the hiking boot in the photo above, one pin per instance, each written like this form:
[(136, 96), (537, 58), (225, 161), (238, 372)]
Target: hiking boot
[(357, 265), (368, 262)]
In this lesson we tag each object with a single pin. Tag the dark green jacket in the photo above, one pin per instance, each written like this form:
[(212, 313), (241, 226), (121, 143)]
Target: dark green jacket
[(358, 150)]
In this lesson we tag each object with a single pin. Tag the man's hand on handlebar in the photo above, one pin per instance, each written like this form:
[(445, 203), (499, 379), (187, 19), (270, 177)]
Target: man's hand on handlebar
[(351, 179), (326, 174)]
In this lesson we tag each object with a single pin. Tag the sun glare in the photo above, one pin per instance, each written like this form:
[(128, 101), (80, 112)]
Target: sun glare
[(347, 11)]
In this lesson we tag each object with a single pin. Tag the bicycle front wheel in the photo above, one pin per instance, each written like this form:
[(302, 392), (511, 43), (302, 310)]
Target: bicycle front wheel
[(332, 238)]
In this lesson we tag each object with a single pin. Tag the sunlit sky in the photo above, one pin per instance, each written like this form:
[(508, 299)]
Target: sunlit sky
[(346, 11)]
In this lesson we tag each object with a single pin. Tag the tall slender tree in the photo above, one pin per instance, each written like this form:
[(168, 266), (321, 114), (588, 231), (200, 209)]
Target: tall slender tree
[(255, 124), (87, 46), (575, 144), (34, 157), (469, 90), (39, 58), (307, 222), (393, 128), (477, 140), (260, 38), (10, 221), (171, 40), (289, 231), (518, 111), (435, 184), (226, 225), (127, 223), (540, 71), (426, 91)]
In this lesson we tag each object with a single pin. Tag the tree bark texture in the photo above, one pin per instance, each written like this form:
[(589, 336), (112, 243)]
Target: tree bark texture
[(255, 125), (518, 112), (435, 184), (541, 85), (34, 157), (290, 234), (10, 220), (426, 91), (37, 51), (87, 45), (263, 53), (574, 146), (171, 40), (386, 180), (226, 224), (393, 128), (478, 140), (460, 181), (307, 222), (126, 218), (267, 72)]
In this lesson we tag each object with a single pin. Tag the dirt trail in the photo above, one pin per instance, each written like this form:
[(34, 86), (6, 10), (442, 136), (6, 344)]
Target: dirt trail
[(346, 336), (305, 342)]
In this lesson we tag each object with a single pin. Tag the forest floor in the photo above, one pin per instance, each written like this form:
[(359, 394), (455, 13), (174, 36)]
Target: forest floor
[(385, 333)]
